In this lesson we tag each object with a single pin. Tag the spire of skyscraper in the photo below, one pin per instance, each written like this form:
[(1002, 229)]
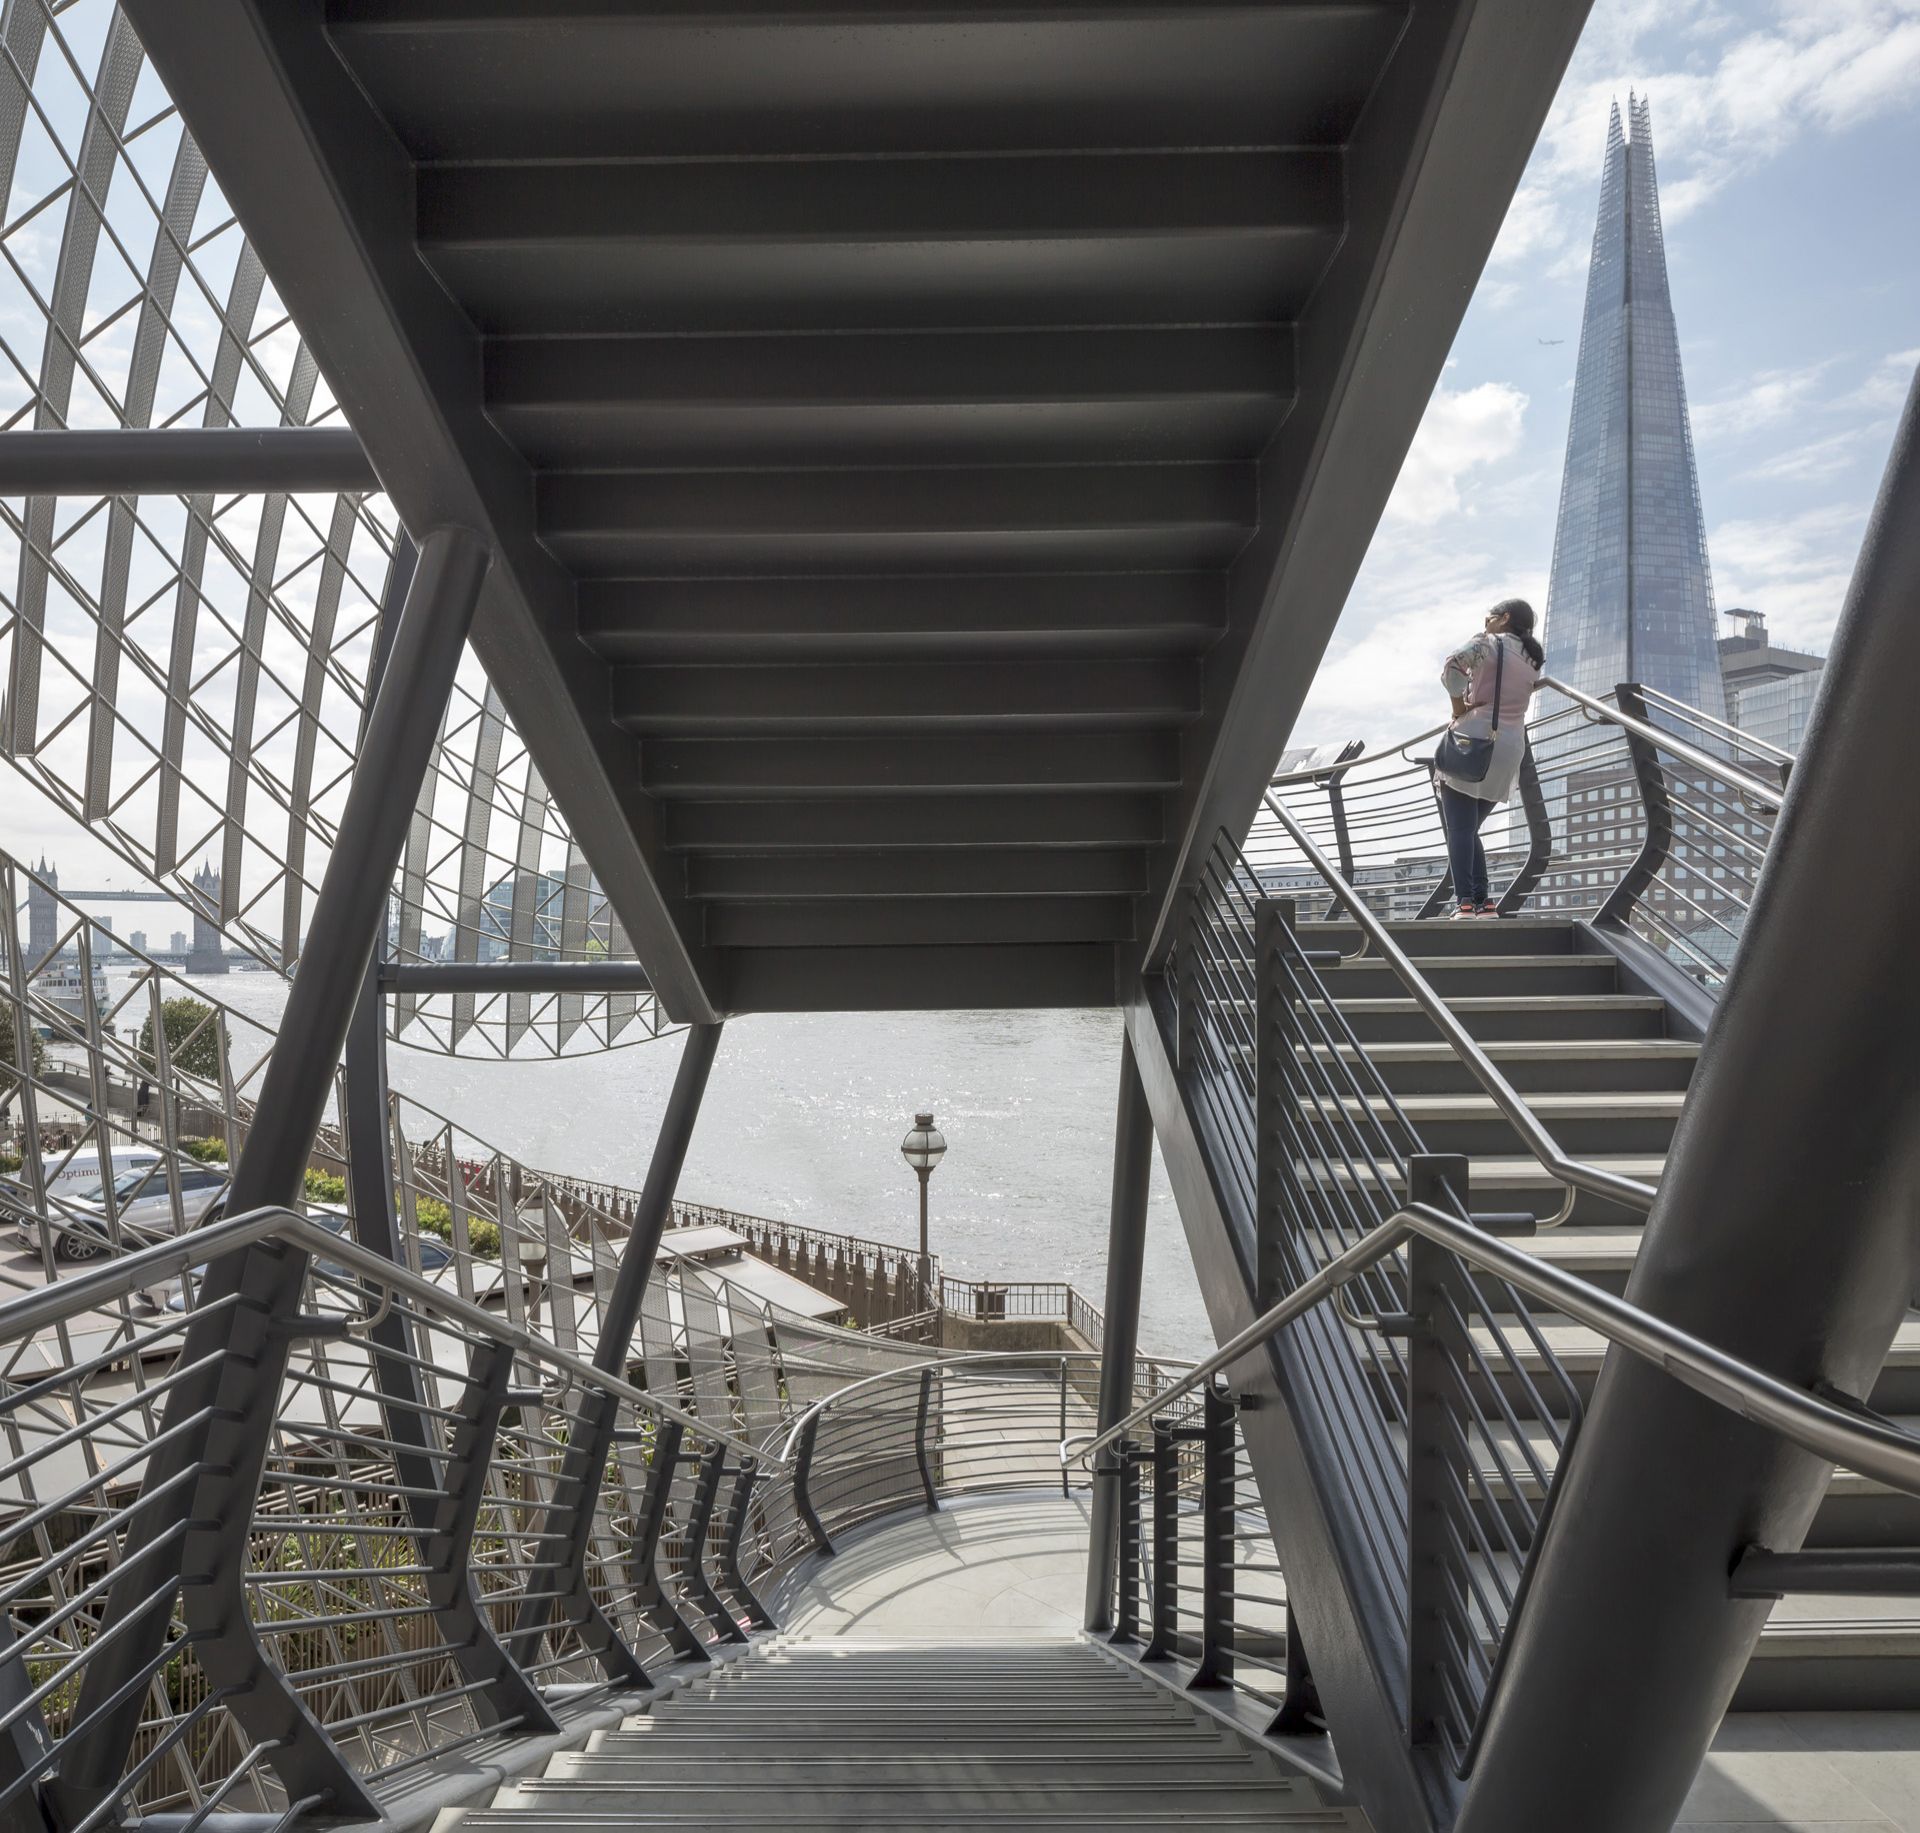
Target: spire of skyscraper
[(1631, 596)]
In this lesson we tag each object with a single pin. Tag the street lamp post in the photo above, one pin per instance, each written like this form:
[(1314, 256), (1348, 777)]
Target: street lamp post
[(924, 1148)]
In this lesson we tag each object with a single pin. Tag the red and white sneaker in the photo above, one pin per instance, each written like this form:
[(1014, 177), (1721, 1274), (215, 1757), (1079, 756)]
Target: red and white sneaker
[(1486, 910), (1465, 910)]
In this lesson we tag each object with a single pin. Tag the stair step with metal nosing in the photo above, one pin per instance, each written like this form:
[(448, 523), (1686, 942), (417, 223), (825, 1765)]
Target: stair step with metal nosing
[(1595, 1065), (1444, 936), (1509, 1017), (1581, 1352), (803, 1733), (1451, 975), (1584, 1124)]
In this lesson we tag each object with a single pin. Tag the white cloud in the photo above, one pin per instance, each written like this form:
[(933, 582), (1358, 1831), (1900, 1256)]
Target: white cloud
[(1794, 568), (1462, 431), (1770, 397), (1885, 389), (1811, 459), (1418, 598), (1727, 99)]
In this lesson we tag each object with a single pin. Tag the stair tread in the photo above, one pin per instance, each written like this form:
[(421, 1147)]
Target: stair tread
[(1580, 1348), (1597, 1104), (1539, 1439), (1485, 1174), (1511, 1002), (1428, 963), (938, 1732), (1530, 1049)]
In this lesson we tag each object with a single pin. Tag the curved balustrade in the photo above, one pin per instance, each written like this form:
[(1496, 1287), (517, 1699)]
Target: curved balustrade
[(1634, 810)]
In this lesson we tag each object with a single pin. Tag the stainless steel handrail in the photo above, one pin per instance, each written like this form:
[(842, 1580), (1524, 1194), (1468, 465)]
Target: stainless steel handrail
[(1569, 1171), (118, 1279), (1769, 795), (1828, 1431), (1320, 773), (918, 1367), (1749, 741)]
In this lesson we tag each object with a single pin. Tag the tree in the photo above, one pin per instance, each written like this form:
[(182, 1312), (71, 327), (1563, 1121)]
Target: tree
[(193, 1039), (37, 1053)]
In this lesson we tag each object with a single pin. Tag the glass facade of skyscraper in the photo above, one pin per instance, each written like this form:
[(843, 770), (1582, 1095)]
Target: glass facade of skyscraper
[(1631, 596)]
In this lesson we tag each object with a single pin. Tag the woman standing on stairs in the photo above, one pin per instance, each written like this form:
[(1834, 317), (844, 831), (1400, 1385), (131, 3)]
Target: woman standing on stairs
[(1490, 679)]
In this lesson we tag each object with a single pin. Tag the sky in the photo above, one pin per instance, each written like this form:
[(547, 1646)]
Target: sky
[(1787, 140)]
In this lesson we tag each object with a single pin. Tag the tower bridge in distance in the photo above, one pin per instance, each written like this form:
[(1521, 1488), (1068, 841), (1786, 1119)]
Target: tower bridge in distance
[(204, 954)]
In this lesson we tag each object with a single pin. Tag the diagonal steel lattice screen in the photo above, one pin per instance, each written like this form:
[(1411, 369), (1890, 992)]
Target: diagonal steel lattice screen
[(186, 676)]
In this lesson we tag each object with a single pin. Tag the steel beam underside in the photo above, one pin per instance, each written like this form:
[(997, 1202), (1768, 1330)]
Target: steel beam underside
[(918, 556)]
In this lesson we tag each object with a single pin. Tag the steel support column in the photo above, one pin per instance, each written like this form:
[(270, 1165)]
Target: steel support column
[(1126, 1260), (1783, 1233), (583, 1471), (246, 1345)]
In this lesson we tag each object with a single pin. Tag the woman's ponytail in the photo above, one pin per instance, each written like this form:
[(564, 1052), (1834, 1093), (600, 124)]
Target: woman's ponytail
[(1520, 622)]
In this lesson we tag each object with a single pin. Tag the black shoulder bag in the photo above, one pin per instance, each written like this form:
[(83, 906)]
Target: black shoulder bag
[(1471, 758)]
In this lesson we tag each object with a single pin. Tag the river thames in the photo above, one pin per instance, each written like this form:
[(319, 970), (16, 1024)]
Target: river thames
[(803, 1119)]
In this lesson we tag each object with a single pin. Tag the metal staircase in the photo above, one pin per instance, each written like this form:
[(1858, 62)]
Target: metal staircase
[(1602, 1065), (1002, 1730)]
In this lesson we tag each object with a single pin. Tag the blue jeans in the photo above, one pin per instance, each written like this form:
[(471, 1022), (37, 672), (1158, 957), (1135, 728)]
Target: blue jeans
[(1463, 817)]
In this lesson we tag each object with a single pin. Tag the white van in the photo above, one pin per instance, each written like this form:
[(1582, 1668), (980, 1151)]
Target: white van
[(67, 1174)]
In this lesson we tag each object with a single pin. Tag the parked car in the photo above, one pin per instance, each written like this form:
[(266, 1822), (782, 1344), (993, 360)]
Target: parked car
[(67, 1175), (143, 1202), (435, 1256)]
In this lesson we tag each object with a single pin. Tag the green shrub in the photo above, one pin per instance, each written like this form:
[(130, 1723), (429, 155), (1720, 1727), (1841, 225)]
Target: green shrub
[(435, 1218), (9, 1162), (324, 1187), (207, 1151)]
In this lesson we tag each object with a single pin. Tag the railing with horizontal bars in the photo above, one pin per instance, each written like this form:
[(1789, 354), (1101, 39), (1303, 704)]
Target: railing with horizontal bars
[(1314, 1154), (1186, 1501), (1405, 1312), (1635, 811)]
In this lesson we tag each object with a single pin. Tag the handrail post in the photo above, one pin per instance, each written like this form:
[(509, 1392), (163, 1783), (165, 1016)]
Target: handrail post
[(1275, 1068), (1533, 801), (1216, 1538), (1187, 994), (1164, 1460), (737, 1510), (706, 1491), (1656, 802), (1440, 1180), (1126, 1616), (447, 1549), (1066, 1487), (649, 1590), (802, 1485), (920, 1438), (1301, 1713), (1126, 1262), (1342, 840), (570, 1518)]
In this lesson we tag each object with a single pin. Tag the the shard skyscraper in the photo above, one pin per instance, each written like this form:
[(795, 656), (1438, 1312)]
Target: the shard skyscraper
[(1631, 597)]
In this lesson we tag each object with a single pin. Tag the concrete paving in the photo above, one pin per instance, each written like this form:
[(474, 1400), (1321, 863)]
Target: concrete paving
[(1005, 1561)]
